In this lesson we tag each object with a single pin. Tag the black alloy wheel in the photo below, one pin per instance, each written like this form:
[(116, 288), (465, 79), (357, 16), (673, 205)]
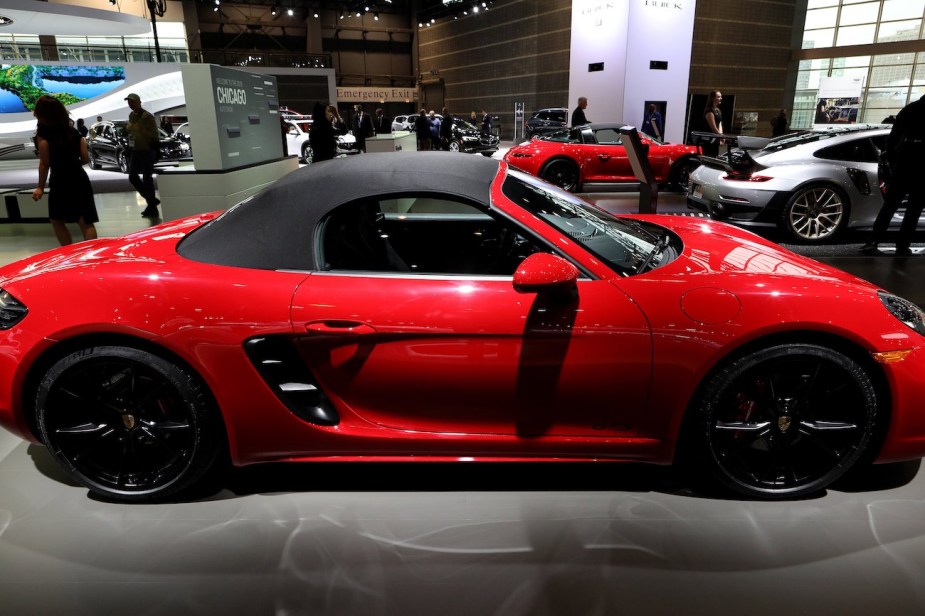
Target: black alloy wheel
[(454, 146), (308, 154), (122, 161), (815, 213), (127, 424), (94, 160), (785, 421), (563, 173), (680, 175)]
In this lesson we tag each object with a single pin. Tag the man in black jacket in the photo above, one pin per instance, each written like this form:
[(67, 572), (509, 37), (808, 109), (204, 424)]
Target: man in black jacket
[(578, 116), (446, 129), (905, 151), (362, 127)]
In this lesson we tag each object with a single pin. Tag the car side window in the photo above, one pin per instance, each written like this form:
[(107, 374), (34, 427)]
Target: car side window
[(608, 136), (856, 150), (422, 234)]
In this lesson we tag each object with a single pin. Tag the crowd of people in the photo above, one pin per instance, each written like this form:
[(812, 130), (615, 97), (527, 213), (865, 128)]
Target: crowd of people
[(61, 145)]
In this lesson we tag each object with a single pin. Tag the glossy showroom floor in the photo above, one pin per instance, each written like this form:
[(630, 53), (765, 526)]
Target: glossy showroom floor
[(423, 539)]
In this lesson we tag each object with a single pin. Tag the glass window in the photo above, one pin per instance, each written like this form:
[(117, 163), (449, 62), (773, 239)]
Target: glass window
[(899, 31), (855, 35), (863, 61), (896, 58), (810, 79), (814, 4), (886, 98), (821, 18), (814, 65), (894, 76), (851, 72), (819, 39), (918, 76), (866, 13), (902, 9)]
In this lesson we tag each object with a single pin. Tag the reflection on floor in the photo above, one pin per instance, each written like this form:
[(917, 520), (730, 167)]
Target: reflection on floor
[(464, 539)]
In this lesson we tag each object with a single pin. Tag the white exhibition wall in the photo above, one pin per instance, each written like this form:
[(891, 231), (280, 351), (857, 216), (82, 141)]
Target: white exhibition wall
[(626, 36)]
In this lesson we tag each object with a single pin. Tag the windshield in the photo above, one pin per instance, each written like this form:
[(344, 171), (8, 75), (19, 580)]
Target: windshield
[(566, 135), (628, 246)]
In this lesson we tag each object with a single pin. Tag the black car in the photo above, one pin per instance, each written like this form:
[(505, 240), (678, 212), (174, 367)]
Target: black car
[(108, 145), (468, 138), (546, 121)]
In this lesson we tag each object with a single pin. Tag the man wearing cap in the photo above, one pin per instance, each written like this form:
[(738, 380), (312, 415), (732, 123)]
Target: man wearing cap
[(144, 141)]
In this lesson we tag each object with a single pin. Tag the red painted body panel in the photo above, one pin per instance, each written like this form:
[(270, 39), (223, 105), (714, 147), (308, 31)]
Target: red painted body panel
[(597, 163), (459, 367)]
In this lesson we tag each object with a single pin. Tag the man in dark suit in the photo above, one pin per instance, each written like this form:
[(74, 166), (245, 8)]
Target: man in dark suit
[(362, 127), (905, 151), (578, 116), (383, 123)]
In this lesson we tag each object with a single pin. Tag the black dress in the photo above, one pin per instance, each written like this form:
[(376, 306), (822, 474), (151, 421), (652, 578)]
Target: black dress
[(70, 195)]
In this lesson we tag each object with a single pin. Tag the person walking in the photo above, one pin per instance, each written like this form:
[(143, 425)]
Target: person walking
[(382, 123), (144, 141), (578, 115), (905, 151), (446, 129), (321, 137), (62, 154), (779, 124), (362, 127)]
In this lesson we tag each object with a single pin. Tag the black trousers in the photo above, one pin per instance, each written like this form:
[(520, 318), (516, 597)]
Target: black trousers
[(141, 174), (898, 189)]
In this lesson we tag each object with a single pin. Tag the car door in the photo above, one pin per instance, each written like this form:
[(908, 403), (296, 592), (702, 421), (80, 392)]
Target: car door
[(106, 144), (605, 159), (464, 352)]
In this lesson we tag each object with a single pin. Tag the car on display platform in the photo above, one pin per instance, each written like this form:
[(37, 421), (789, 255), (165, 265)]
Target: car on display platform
[(297, 142), (451, 308), (470, 139), (108, 145), (402, 122), (546, 121), (593, 157), (812, 185)]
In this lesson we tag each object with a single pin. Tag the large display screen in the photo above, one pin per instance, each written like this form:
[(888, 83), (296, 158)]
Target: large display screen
[(22, 84)]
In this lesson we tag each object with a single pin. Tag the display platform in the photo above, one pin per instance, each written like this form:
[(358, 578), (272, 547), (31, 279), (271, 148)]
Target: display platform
[(398, 141)]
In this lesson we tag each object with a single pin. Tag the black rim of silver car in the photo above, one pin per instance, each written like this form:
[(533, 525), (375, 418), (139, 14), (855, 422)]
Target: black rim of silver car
[(562, 173), (127, 424), (787, 421), (123, 161), (815, 213)]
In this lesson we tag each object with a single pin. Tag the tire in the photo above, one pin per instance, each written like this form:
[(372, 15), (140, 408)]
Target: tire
[(94, 161), (129, 425), (680, 175), (307, 154), (561, 172), (785, 421), (815, 213), (122, 161), (454, 146)]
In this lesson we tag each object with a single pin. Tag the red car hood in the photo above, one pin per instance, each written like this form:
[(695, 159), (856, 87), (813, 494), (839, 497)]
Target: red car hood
[(717, 248)]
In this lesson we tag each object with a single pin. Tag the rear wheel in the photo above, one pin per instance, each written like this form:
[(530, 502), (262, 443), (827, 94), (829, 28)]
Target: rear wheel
[(785, 421), (680, 174), (94, 161), (122, 161), (563, 173), (307, 153), (127, 424), (454, 146), (815, 213)]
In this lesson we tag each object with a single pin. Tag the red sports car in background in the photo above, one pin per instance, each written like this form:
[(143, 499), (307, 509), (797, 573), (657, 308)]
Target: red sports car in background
[(593, 157), (451, 308)]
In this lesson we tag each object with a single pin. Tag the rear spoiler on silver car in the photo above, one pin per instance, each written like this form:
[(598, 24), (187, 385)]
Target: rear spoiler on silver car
[(736, 161)]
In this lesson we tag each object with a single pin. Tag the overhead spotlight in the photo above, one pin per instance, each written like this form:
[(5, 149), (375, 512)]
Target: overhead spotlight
[(112, 1), (359, 14), (475, 9), (290, 12), (217, 2), (432, 20), (315, 14), (273, 11), (420, 25), (215, 9), (376, 16)]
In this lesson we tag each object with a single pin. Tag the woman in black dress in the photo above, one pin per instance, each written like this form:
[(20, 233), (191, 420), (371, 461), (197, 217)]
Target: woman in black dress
[(63, 153)]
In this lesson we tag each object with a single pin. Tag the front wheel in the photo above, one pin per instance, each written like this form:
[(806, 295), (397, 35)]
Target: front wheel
[(815, 213), (785, 421), (127, 424), (453, 146), (122, 161), (307, 154), (94, 160), (563, 173)]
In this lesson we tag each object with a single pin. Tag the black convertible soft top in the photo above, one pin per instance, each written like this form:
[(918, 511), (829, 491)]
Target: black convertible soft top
[(276, 228)]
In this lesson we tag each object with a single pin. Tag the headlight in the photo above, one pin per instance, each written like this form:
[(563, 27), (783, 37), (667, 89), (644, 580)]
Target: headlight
[(12, 311), (184, 147), (905, 311)]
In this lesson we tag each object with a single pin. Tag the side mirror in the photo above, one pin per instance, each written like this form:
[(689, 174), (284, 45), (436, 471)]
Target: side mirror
[(542, 271)]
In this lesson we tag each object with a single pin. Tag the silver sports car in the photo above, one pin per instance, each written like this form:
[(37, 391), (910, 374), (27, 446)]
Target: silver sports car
[(811, 184)]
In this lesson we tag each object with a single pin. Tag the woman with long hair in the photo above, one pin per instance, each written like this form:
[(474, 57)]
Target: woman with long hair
[(62, 155), (714, 120)]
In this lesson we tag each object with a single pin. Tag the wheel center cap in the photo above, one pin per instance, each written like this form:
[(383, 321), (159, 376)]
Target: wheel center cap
[(783, 423), (129, 421)]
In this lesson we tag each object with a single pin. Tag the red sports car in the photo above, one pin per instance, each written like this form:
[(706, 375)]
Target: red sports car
[(593, 157), (451, 308)]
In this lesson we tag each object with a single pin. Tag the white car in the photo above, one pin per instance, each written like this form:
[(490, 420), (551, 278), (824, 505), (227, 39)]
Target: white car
[(402, 122), (297, 139)]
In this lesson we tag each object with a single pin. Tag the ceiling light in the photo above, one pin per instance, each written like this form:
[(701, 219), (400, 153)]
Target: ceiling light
[(290, 12), (273, 11), (376, 16)]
